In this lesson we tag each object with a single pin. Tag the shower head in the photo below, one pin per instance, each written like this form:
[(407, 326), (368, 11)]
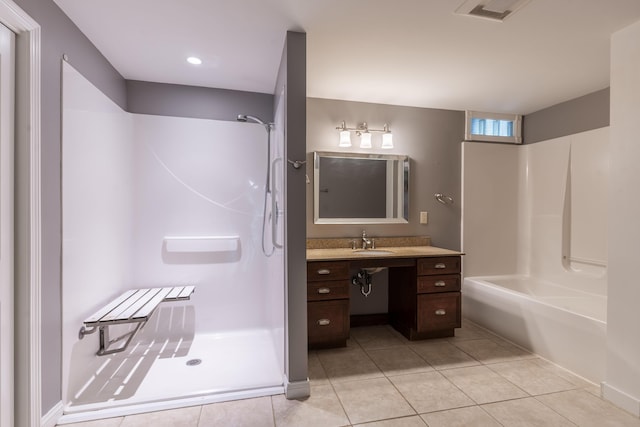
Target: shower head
[(244, 118)]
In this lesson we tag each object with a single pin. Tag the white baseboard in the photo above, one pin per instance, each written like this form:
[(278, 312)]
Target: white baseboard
[(50, 419), (297, 389), (621, 399)]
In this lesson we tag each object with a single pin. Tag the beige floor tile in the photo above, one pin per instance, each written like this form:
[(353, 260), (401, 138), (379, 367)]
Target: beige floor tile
[(398, 361), (461, 417), (531, 377), (430, 391), (525, 413), (586, 410), (414, 421), (321, 409), (488, 351), (374, 337), (469, 331), (371, 400), (238, 413), (317, 375), (443, 355), (107, 422), (183, 417), (404, 340), (483, 385), (566, 375), (348, 365), (518, 351)]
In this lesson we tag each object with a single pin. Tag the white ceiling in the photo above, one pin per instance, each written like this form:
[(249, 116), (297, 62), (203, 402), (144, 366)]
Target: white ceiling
[(403, 52)]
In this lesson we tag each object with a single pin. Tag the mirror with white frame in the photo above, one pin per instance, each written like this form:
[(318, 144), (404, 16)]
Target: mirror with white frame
[(360, 188)]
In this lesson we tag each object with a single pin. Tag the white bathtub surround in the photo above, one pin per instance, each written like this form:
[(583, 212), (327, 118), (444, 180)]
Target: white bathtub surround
[(534, 220), (152, 201), (622, 384)]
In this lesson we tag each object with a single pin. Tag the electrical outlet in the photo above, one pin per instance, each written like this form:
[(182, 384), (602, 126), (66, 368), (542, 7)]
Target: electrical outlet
[(424, 217)]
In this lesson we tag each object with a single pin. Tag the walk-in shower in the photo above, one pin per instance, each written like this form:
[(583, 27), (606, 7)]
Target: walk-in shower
[(155, 201)]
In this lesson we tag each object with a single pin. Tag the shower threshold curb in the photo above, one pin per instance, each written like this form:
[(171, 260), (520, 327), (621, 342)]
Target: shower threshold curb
[(161, 405)]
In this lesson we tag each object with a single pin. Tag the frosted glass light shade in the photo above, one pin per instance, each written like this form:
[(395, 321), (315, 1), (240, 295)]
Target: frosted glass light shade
[(387, 140), (345, 139), (365, 140)]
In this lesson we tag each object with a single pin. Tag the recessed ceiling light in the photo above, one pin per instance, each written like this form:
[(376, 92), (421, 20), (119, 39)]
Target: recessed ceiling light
[(194, 60)]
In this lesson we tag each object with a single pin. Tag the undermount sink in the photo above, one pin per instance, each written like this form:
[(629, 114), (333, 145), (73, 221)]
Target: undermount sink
[(372, 252)]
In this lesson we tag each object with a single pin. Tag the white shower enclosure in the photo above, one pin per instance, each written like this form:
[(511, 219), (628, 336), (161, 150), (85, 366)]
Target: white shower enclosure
[(156, 201)]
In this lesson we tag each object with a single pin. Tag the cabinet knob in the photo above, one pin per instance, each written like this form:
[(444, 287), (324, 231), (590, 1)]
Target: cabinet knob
[(324, 271), (323, 322), (440, 283), (440, 312), (440, 265), (324, 290)]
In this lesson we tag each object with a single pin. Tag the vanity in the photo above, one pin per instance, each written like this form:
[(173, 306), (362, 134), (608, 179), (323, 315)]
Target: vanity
[(424, 288), (423, 280)]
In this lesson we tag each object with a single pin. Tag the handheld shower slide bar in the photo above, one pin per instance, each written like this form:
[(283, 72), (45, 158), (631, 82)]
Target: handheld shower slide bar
[(268, 188)]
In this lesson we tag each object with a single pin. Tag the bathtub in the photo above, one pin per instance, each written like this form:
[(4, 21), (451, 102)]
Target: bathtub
[(564, 325)]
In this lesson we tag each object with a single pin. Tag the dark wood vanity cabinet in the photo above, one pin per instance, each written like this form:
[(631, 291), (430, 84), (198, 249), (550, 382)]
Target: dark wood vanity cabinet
[(424, 301), (328, 303), (424, 297)]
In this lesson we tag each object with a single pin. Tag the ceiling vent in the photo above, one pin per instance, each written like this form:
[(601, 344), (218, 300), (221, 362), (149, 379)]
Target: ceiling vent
[(495, 10)]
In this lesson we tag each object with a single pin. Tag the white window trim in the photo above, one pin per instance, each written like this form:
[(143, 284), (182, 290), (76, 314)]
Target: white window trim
[(515, 118)]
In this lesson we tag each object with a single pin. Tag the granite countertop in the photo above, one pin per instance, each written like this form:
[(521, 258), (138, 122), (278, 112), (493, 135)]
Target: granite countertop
[(389, 252)]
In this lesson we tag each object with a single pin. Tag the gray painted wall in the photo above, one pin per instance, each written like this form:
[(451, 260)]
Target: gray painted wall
[(431, 138), (59, 36), (198, 102), (577, 115), (292, 83)]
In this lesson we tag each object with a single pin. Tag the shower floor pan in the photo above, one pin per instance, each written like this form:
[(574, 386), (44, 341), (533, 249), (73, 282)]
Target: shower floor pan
[(215, 367)]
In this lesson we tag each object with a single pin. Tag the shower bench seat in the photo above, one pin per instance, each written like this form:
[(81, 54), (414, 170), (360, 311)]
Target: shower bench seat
[(133, 306)]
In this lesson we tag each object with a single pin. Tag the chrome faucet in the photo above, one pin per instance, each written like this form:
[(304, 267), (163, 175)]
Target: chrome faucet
[(365, 242)]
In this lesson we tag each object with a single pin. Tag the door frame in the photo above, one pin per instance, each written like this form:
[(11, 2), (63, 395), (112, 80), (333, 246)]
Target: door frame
[(27, 227), (7, 108)]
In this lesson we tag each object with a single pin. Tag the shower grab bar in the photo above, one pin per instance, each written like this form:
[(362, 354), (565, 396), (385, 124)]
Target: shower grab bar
[(594, 262), (133, 306)]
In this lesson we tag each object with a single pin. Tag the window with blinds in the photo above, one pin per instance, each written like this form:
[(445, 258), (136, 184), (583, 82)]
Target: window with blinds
[(493, 127)]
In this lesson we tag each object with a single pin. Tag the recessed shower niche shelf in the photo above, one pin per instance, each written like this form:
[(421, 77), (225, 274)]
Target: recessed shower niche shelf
[(201, 243)]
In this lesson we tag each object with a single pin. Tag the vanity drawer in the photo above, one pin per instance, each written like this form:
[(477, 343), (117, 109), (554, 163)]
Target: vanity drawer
[(327, 270), (438, 311), (335, 289), (328, 322), (444, 283), (439, 265)]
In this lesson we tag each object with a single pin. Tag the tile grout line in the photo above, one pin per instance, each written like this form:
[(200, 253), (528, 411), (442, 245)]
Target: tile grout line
[(334, 390)]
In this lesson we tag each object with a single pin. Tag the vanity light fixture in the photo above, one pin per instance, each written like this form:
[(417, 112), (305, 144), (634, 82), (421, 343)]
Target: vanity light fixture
[(364, 133), (365, 139), (193, 60), (345, 138), (387, 138)]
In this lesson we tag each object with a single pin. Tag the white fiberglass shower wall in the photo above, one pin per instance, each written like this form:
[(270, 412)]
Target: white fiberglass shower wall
[(155, 201)]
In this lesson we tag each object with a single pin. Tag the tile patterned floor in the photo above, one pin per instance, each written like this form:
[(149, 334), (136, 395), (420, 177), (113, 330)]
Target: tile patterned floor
[(383, 380)]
